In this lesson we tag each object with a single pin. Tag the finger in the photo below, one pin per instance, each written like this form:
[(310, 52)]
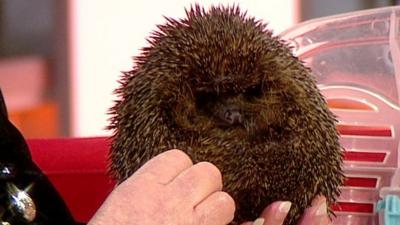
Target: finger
[(247, 223), (276, 213), (317, 214), (218, 208), (318, 200), (197, 182), (259, 221), (166, 166), (326, 221)]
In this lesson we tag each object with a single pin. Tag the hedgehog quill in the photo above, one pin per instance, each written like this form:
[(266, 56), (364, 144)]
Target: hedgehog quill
[(220, 86)]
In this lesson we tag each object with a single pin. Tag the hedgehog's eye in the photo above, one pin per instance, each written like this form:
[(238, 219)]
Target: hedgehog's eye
[(203, 99), (254, 91)]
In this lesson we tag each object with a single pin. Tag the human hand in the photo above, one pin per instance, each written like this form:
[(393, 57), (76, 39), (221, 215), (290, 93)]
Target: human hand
[(169, 189), (275, 214)]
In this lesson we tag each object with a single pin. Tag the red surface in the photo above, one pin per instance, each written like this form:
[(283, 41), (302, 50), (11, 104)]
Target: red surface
[(361, 182), (77, 168), (381, 131), (354, 207), (340, 103), (364, 156)]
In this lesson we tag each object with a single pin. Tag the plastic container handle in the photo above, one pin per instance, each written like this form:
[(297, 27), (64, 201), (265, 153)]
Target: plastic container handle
[(389, 210)]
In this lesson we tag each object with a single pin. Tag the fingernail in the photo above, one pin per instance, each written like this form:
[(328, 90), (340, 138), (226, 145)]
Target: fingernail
[(285, 207), (259, 221), (322, 210)]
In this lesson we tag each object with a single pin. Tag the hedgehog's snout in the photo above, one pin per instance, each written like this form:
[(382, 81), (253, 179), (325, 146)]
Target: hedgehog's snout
[(232, 116)]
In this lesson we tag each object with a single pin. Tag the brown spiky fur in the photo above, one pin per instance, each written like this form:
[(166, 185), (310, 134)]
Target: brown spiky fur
[(287, 146)]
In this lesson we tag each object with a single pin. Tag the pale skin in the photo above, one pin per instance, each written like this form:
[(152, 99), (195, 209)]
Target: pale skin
[(170, 190)]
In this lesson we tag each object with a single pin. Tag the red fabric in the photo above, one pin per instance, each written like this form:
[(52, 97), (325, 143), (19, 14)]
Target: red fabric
[(77, 168)]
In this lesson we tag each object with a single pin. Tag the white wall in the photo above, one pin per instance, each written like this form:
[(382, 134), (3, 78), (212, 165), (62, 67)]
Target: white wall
[(106, 34)]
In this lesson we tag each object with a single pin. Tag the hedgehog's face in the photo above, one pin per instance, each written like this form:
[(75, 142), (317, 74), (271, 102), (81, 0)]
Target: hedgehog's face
[(248, 113), (249, 105)]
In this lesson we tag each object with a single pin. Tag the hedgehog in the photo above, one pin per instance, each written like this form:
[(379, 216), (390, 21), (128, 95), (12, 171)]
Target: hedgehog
[(220, 86)]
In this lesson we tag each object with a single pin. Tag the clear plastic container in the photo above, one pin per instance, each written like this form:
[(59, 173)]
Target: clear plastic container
[(355, 59)]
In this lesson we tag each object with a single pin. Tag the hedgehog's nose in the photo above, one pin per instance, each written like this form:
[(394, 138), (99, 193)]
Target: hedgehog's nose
[(233, 116)]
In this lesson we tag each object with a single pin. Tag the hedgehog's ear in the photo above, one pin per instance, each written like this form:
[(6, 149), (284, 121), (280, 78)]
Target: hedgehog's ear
[(3, 108)]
